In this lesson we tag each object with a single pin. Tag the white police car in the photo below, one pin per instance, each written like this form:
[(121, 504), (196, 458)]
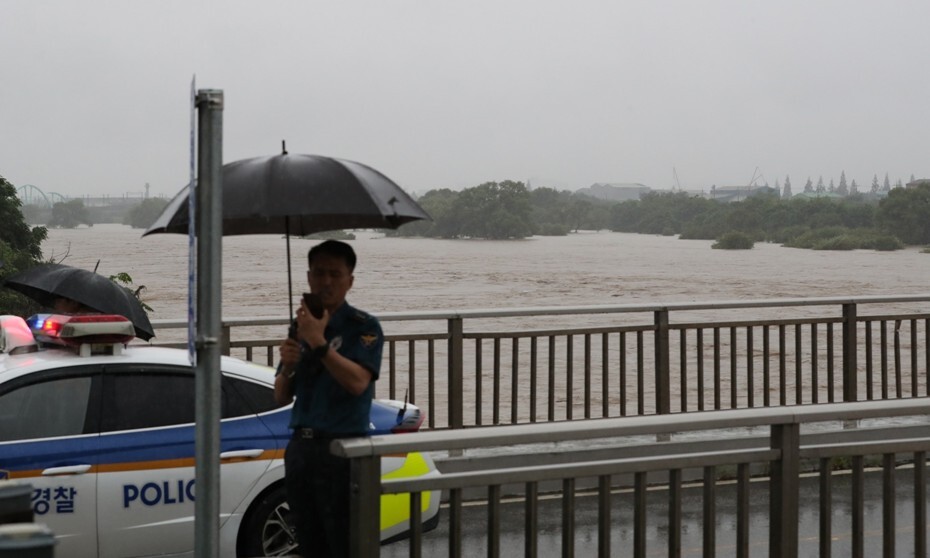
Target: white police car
[(105, 434)]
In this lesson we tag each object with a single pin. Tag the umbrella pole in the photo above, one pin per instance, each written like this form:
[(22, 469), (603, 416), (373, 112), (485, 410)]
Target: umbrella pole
[(290, 294)]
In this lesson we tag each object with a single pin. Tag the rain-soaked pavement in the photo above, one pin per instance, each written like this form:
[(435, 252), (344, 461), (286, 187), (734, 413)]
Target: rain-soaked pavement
[(550, 519)]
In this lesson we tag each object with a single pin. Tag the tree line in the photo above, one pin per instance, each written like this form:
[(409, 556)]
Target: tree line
[(73, 213), (508, 210)]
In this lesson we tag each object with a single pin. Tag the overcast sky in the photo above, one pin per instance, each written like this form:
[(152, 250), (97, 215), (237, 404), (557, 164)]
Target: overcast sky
[(94, 97)]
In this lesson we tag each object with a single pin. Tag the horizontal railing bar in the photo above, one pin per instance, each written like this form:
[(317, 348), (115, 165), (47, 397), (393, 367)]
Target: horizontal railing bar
[(276, 341), (757, 323), (254, 343), (539, 473), (484, 437), (591, 309), (686, 326), (416, 337), (481, 437), (574, 331), (231, 322), (907, 445), (557, 332), (892, 317)]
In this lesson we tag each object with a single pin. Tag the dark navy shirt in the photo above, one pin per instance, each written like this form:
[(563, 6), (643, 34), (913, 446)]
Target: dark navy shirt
[(321, 403)]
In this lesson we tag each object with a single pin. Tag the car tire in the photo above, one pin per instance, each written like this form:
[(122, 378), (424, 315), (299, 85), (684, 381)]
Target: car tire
[(267, 530)]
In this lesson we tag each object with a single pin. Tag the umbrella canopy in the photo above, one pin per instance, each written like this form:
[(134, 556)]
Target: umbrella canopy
[(45, 283), (300, 194)]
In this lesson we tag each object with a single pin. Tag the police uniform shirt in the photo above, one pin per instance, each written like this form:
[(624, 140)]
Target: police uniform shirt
[(321, 403)]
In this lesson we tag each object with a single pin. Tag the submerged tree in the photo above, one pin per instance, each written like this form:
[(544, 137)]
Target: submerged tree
[(68, 215), (143, 215), (905, 213), (496, 210)]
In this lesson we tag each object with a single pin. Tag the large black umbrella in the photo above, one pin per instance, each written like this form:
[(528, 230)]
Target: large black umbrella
[(45, 283), (299, 194)]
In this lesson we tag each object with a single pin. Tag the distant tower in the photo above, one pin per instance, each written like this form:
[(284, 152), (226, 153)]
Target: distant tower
[(147, 186)]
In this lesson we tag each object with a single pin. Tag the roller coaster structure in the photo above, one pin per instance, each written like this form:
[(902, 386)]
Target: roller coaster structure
[(33, 195)]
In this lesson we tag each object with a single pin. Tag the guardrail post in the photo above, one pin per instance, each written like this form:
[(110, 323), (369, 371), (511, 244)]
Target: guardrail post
[(783, 491), (662, 359), (365, 507), (456, 373), (225, 340), (850, 354)]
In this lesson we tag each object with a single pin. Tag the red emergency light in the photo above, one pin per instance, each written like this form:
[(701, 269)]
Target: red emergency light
[(80, 329)]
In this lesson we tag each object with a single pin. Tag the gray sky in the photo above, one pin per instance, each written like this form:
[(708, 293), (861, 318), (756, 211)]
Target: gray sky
[(95, 95)]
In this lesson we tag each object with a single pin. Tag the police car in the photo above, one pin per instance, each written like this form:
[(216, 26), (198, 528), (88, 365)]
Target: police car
[(104, 433)]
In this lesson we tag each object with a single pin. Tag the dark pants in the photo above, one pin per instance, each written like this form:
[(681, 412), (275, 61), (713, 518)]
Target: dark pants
[(318, 494)]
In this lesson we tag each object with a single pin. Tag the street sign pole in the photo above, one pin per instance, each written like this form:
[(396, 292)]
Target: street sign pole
[(209, 223)]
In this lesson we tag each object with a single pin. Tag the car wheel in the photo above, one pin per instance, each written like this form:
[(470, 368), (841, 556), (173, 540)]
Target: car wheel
[(268, 529)]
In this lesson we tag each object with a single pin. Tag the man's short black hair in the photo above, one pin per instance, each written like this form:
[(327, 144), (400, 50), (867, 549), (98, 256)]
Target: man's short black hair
[(334, 248)]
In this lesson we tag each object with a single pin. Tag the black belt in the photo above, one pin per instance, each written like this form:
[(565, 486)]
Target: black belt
[(314, 434)]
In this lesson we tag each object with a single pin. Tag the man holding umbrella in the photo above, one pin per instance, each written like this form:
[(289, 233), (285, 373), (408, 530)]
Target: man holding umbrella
[(330, 364)]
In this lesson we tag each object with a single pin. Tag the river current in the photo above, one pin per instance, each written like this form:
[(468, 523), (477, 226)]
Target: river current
[(587, 268)]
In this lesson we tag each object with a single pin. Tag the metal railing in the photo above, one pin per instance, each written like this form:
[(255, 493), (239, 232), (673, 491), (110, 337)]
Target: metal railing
[(625, 476), (484, 367)]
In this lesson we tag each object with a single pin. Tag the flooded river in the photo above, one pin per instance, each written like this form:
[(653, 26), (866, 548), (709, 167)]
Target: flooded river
[(398, 274)]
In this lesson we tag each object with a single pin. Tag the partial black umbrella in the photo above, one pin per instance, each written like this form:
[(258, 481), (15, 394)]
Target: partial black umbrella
[(299, 195), (46, 283)]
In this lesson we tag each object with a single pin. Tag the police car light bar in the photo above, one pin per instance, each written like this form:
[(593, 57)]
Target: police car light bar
[(81, 329)]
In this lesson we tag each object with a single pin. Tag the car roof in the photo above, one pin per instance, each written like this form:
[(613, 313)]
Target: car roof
[(53, 357)]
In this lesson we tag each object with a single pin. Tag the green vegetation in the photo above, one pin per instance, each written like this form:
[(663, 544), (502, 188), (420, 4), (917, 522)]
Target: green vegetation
[(844, 238), (68, 215), (331, 235), (508, 210), (20, 248), (143, 215), (734, 240), (854, 222), (905, 213), (125, 280), (492, 210)]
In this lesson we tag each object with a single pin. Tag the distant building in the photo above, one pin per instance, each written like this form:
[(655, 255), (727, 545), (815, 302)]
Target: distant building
[(727, 194), (816, 195), (616, 191), (918, 182)]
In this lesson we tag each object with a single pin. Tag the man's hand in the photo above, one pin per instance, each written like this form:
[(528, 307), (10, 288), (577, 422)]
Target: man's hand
[(310, 329), (290, 353)]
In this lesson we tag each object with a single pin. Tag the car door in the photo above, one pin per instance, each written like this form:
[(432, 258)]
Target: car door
[(48, 438), (146, 486)]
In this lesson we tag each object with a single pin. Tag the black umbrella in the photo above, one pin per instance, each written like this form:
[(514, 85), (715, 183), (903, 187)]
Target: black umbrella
[(45, 283), (299, 194)]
